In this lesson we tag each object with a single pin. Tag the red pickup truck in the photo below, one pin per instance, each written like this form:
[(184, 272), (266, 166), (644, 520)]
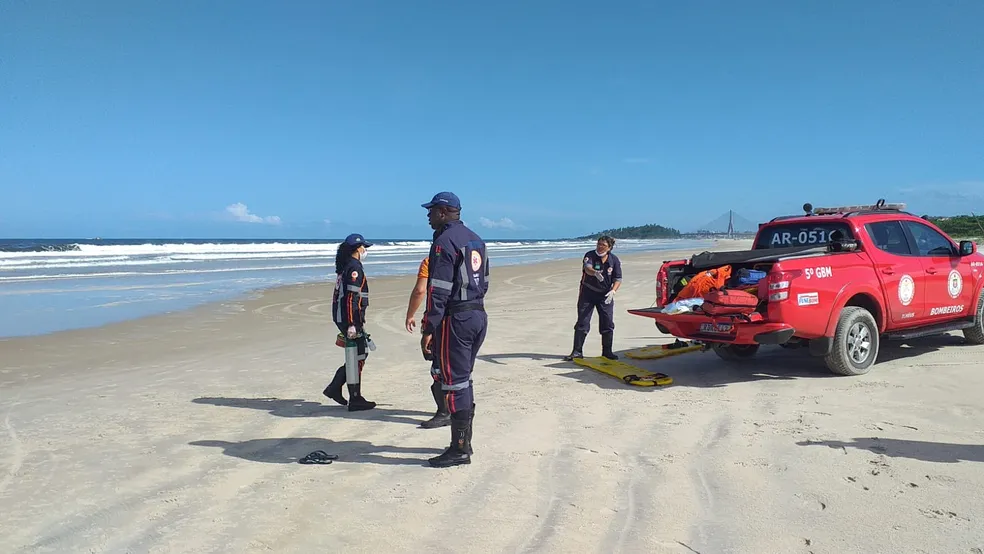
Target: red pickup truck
[(837, 281)]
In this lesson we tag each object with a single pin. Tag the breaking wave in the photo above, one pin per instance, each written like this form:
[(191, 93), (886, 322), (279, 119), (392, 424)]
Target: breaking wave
[(27, 260)]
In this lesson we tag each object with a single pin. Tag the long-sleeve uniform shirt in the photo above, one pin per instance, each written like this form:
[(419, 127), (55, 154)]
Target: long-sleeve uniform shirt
[(458, 274), (351, 296)]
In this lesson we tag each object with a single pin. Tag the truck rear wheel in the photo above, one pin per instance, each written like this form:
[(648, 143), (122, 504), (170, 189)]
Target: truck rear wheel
[(855, 344), (734, 352), (975, 334)]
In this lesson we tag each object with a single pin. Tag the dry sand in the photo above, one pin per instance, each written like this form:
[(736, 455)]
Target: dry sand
[(181, 433)]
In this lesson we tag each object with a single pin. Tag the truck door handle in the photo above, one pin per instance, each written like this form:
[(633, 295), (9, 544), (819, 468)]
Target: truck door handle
[(887, 271), (931, 271)]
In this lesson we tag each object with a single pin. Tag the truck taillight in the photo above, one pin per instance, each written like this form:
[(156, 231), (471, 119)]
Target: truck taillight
[(660, 286), (778, 285)]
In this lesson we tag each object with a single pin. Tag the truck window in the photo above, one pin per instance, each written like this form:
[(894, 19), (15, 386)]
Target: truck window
[(784, 235), (929, 241), (888, 236)]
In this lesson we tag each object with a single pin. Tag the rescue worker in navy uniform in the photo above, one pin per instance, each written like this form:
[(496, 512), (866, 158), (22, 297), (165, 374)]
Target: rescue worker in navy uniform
[(455, 322), (601, 276), (348, 307)]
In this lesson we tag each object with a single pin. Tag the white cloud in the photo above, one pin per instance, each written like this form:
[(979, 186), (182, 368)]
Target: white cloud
[(327, 222), (504, 223), (240, 212)]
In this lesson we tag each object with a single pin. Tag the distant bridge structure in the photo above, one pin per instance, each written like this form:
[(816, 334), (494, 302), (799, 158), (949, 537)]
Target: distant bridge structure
[(729, 224)]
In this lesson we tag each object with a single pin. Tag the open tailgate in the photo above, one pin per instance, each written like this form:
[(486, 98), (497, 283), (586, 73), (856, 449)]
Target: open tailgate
[(723, 328)]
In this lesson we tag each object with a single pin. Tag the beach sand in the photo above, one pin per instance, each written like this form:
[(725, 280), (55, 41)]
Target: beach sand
[(181, 433)]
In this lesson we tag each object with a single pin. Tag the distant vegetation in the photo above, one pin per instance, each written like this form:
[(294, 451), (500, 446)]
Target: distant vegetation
[(650, 231), (960, 226)]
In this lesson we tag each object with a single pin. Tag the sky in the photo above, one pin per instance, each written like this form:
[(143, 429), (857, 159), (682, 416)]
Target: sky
[(314, 119)]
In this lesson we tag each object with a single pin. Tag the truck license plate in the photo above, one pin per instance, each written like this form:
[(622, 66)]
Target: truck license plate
[(716, 327)]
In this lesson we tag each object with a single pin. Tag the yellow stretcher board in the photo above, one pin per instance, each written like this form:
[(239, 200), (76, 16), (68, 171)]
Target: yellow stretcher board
[(628, 373), (660, 351)]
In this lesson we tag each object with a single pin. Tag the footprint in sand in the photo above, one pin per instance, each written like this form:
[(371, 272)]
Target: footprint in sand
[(942, 514)]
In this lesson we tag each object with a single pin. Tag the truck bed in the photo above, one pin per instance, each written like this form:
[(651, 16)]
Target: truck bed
[(723, 329)]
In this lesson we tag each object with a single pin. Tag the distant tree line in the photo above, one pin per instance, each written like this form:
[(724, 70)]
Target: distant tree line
[(960, 225), (650, 231)]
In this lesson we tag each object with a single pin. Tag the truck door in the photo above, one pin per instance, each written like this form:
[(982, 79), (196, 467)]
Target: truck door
[(900, 272), (949, 281)]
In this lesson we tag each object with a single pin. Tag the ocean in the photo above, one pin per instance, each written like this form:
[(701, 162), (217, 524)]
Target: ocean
[(54, 285)]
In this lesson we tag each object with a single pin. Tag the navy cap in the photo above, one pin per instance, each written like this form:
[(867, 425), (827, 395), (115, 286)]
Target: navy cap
[(355, 239), (444, 199)]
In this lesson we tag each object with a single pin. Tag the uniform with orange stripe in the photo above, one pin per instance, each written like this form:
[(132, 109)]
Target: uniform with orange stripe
[(455, 321), (348, 306), (441, 416)]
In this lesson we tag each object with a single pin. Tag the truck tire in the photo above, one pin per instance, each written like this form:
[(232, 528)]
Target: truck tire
[(856, 341), (975, 334), (734, 352)]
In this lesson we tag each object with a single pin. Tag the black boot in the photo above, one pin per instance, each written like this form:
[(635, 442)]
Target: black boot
[(606, 346), (334, 389), (442, 417), (356, 401), (471, 425), (576, 352), (457, 453)]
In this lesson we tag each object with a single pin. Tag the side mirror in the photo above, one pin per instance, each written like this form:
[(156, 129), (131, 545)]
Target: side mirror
[(967, 247)]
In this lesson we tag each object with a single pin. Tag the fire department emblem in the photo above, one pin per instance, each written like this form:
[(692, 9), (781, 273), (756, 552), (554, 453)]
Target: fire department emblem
[(954, 284), (907, 289), (476, 260)]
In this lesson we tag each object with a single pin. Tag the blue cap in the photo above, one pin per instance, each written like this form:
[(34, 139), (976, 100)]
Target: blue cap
[(355, 239), (444, 199)]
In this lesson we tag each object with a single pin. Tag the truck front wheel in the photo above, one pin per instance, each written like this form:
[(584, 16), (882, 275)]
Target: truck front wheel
[(855, 344), (975, 334)]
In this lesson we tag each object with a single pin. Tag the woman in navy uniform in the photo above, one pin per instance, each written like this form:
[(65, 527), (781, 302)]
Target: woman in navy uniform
[(601, 276), (348, 307)]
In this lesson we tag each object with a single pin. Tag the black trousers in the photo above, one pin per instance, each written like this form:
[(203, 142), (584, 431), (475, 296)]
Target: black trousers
[(588, 301)]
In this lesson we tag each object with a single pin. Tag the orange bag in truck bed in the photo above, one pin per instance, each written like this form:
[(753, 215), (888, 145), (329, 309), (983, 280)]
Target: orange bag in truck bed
[(705, 282), (729, 302)]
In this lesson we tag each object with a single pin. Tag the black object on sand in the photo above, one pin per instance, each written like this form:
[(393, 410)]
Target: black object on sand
[(318, 457)]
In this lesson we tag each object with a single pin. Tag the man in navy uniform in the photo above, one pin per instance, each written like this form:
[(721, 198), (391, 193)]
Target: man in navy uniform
[(601, 276), (455, 322)]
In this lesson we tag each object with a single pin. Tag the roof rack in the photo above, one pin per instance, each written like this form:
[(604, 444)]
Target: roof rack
[(877, 206), (846, 211)]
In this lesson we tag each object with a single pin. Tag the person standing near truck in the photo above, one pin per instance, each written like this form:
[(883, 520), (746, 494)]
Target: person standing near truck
[(442, 417), (601, 277)]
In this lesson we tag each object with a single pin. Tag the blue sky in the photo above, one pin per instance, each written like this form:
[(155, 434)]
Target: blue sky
[(548, 119)]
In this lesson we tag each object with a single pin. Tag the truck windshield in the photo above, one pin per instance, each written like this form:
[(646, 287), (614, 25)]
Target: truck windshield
[(783, 235)]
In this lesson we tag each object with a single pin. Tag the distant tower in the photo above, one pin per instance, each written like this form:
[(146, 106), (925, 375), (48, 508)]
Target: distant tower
[(731, 224)]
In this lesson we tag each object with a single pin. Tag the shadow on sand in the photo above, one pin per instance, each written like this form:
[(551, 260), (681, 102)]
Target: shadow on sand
[(497, 358), (706, 370), (295, 407), (290, 450), (939, 452)]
